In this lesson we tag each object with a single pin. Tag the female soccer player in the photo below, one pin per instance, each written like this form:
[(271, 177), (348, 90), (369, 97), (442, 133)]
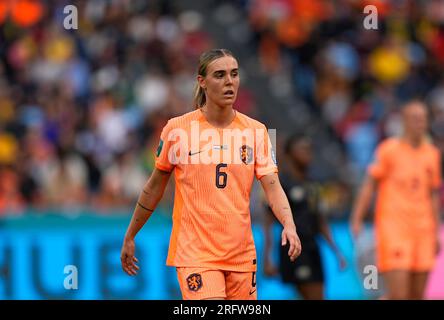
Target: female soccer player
[(407, 175), (211, 243)]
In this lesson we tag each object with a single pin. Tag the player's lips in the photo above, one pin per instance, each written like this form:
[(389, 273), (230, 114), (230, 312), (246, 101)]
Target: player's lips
[(229, 93)]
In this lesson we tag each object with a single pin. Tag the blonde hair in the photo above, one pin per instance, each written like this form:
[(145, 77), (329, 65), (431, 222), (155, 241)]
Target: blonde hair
[(204, 60)]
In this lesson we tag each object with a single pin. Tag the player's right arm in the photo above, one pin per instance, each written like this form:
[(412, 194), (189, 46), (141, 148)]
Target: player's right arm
[(148, 199), (362, 204), (282, 211), (269, 268)]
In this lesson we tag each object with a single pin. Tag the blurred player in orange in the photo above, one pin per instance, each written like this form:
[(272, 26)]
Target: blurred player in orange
[(211, 243), (306, 272), (407, 175)]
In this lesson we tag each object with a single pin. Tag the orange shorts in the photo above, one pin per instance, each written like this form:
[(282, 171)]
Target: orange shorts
[(397, 251), (204, 283)]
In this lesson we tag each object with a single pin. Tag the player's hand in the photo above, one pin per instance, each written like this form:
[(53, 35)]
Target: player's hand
[(269, 269), (342, 263), (290, 236), (127, 257), (356, 228)]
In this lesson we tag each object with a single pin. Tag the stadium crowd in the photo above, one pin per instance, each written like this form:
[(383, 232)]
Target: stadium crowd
[(81, 110), (355, 79)]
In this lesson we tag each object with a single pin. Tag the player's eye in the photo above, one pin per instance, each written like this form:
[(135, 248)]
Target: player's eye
[(219, 75), (234, 74)]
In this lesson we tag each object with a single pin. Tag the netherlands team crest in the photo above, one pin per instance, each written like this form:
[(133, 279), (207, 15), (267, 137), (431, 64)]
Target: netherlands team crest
[(194, 281), (246, 154)]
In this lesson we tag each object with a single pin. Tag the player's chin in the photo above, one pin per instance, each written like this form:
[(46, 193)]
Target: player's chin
[(226, 104)]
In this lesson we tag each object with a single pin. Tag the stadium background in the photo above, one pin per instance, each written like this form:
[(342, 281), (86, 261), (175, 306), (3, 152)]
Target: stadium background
[(81, 113)]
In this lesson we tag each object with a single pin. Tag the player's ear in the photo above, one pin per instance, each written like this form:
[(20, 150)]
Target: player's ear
[(201, 81)]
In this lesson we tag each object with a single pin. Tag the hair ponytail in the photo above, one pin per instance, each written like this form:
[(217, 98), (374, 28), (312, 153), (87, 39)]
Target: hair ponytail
[(199, 96)]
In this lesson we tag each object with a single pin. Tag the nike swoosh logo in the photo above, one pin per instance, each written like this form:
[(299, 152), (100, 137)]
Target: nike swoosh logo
[(251, 292), (193, 153)]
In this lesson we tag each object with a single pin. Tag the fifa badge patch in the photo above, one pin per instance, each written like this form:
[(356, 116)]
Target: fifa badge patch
[(246, 154), (194, 281), (159, 148)]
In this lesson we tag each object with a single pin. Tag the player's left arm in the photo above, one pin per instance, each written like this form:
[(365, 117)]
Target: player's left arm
[(435, 196), (325, 230), (281, 209), (437, 215)]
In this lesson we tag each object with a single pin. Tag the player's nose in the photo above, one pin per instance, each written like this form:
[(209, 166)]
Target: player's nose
[(228, 79)]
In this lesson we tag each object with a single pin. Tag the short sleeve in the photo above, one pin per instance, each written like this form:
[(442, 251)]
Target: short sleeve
[(163, 161), (379, 167), (265, 157)]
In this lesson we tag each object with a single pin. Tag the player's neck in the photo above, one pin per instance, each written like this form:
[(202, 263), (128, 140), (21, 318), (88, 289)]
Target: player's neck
[(219, 117), (413, 141), (298, 172)]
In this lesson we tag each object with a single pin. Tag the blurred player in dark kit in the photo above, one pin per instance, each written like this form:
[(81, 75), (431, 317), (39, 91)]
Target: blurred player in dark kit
[(304, 196)]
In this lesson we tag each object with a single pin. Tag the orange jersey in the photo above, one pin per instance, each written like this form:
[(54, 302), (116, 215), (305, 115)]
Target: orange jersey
[(211, 215), (406, 177)]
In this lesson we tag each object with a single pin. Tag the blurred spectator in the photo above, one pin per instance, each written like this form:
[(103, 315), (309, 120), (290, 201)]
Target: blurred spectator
[(11, 200), (65, 180)]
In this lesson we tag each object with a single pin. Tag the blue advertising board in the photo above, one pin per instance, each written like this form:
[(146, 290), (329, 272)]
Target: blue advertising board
[(36, 254)]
